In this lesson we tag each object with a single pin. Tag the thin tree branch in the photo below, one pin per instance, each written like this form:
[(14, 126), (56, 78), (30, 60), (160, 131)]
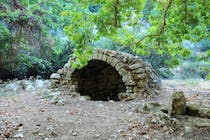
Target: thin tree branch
[(186, 12), (162, 27), (164, 17), (17, 5), (116, 13)]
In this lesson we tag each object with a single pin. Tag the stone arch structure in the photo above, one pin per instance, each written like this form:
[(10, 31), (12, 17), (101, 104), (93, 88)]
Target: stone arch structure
[(110, 75)]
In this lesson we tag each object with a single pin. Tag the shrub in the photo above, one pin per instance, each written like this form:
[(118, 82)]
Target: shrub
[(192, 70)]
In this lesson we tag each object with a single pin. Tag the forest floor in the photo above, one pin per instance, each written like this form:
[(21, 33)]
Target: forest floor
[(28, 116)]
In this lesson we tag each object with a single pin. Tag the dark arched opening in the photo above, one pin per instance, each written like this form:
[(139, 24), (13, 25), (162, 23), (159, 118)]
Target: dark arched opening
[(99, 80)]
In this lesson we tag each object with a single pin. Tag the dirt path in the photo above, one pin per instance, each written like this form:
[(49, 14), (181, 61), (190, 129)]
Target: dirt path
[(27, 116)]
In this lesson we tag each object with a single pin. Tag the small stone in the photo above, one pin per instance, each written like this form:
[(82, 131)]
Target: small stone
[(57, 93), (41, 134), (146, 137), (97, 136), (54, 134), (188, 129), (30, 88), (74, 134), (60, 71), (67, 65), (130, 113), (54, 100), (111, 101), (154, 121), (39, 84), (55, 76), (19, 135), (113, 136), (62, 102), (165, 128), (6, 134), (164, 119), (36, 132), (146, 127), (84, 98)]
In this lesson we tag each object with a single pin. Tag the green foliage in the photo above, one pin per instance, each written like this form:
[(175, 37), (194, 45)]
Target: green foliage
[(4, 33), (193, 70), (117, 20), (208, 77), (29, 29), (204, 45), (159, 63), (87, 26)]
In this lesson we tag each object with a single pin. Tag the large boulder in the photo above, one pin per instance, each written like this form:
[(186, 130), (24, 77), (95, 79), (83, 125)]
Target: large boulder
[(146, 107), (199, 111), (177, 104)]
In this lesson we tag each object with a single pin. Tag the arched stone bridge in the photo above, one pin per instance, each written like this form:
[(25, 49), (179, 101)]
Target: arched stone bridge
[(110, 75)]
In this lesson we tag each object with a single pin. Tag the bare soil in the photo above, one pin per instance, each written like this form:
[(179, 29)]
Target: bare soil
[(27, 116)]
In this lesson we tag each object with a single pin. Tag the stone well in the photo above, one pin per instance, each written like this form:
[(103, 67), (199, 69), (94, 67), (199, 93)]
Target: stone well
[(109, 75)]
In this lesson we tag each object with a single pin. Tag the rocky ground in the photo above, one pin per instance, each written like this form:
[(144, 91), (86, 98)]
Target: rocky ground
[(30, 110)]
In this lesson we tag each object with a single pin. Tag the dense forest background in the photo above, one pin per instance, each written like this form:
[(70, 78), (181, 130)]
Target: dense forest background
[(38, 36)]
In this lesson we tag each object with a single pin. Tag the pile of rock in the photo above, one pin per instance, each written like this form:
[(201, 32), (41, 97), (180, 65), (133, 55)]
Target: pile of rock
[(27, 85), (178, 106), (138, 77)]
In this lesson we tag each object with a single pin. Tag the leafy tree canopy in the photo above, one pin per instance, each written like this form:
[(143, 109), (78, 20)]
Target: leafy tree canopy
[(170, 23)]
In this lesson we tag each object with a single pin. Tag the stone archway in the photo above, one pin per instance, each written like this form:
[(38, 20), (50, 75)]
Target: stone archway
[(99, 80), (134, 76)]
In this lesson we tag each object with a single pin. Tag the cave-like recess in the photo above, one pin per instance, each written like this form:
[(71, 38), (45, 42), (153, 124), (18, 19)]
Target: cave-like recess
[(99, 80)]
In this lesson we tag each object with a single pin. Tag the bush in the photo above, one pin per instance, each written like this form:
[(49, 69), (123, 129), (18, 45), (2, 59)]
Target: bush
[(158, 63), (204, 45), (192, 70)]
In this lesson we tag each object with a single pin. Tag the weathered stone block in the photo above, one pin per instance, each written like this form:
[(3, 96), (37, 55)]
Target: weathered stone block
[(177, 103), (109, 59), (135, 66), (139, 70), (130, 83), (139, 76), (94, 56), (68, 74), (114, 62), (100, 56), (137, 89), (67, 65), (126, 78), (140, 84), (122, 71), (55, 76), (119, 66)]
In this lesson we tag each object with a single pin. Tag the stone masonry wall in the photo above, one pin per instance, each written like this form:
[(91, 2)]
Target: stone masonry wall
[(138, 77)]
